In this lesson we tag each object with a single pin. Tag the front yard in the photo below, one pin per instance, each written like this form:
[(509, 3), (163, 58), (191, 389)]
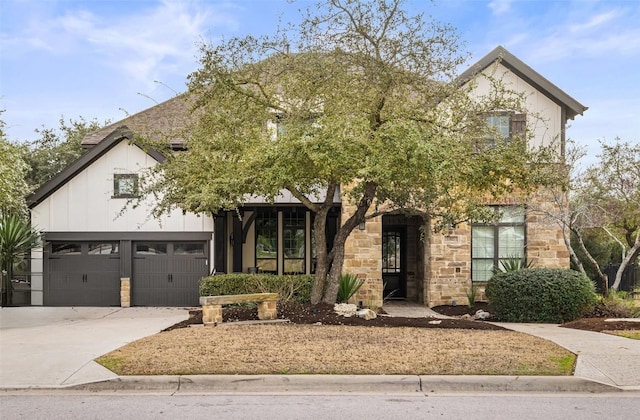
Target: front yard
[(334, 349)]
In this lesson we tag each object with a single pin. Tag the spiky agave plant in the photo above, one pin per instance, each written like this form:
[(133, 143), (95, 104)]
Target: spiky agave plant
[(17, 237), (349, 285)]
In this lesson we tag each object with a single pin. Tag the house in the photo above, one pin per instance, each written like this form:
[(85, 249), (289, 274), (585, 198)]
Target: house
[(97, 254)]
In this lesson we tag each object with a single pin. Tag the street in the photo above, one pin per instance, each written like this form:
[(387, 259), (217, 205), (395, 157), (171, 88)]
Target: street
[(67, 405)]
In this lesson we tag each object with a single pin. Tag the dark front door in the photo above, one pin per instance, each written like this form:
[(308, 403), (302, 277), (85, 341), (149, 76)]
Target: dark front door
[(394, 271), (168, 273)]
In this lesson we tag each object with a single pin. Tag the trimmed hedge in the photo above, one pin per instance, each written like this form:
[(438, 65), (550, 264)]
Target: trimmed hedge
[(540, 295), (288, 287)]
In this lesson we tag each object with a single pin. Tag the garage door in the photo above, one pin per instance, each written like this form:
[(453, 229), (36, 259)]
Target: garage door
[(168, 273), (83, 274)]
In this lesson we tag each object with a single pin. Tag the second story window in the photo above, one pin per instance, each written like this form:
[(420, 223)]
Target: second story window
[(501, 127), (125, 185)]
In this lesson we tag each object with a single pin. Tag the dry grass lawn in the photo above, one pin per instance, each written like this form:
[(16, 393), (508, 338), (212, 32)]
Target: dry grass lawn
[(325, 349), (633, 334)]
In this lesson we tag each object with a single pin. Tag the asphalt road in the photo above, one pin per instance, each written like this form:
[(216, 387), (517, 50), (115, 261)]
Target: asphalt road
[(60, 405)]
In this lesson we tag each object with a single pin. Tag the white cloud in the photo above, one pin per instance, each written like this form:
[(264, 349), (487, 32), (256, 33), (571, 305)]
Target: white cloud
[(500, 7)]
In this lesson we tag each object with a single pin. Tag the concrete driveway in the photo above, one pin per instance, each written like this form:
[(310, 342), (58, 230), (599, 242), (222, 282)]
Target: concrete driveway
[(45, 346)]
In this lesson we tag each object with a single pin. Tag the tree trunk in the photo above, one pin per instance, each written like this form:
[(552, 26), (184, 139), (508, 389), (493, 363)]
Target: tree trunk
[(572, 252), (322, 256), (331, 290), (604, 279), (623, 265)]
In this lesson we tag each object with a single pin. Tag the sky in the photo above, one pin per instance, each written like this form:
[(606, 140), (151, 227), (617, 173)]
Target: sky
[(106, 59)]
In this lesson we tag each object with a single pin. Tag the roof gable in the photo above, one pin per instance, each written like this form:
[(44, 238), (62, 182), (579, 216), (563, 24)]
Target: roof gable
[(122, 133), (522, 70)]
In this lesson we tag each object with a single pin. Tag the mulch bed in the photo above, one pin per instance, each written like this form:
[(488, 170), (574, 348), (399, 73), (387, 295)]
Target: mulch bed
[(325, 315)]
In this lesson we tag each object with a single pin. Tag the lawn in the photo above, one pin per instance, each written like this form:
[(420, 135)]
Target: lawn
[(333, 349)]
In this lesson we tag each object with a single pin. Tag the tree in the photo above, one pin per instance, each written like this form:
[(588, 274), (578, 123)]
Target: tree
[(601, 204), (16, 238), (612, 187), (13, 169), (57, 148), (360, 98)]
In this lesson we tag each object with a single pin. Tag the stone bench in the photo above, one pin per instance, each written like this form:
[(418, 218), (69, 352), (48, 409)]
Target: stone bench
[(212, 306)]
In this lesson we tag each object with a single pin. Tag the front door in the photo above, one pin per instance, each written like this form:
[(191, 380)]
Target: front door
[(394, 271)]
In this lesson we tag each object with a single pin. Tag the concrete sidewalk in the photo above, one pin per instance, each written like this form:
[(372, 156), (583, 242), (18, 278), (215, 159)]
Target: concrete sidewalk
[(604, 358)]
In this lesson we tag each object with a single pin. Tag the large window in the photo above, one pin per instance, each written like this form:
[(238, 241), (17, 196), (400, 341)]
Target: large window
[(497, 242), (294, 242), (267, 242)]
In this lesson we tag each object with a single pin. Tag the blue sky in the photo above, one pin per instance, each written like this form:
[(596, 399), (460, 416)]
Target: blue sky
[(107, 58)]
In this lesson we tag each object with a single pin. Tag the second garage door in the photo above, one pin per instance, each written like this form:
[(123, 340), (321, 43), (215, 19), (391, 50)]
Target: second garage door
[(168, 273)]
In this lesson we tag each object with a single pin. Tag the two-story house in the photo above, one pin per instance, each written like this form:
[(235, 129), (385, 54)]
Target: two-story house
[(97, 254)]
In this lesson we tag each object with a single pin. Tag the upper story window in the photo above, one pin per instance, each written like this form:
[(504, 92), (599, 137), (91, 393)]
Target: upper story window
[(500, 127), (125, 185)]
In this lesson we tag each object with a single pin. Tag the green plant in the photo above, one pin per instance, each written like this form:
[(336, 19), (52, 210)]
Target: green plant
[(16, 238), (349, 285), (471, 295), (617, 304), (511, 264), (289, 287), (540, 295)]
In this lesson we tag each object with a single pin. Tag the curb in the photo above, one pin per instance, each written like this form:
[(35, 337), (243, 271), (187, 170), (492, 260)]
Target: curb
[(335, 384)]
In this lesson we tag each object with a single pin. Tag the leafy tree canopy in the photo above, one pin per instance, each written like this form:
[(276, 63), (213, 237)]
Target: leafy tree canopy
[(13, 169), (57, 148), (360, 96)]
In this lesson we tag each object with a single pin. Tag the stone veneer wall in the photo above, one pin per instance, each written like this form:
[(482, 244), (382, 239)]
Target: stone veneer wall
[(449, 263), (362, 257), (445, 275)]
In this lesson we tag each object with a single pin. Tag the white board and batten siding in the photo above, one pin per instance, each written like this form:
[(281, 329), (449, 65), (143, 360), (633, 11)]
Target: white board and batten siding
[(86, 204)]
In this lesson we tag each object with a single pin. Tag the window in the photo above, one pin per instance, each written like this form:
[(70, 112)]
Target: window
[(267, 242), (391, 252), (66, 248), (125, 185), (188, 248), (294, 242), (496, 242), (500, 127), (151, 248), (103, 248)]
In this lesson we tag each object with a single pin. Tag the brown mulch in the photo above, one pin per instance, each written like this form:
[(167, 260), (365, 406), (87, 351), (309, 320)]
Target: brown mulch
[(325, 315)]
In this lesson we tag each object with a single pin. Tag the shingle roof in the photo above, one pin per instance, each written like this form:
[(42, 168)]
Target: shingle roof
[(154, 123)]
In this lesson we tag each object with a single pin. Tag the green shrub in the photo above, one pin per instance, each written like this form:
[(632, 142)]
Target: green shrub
[(617, 304), (289, 287), (349, 285), (540, 295)]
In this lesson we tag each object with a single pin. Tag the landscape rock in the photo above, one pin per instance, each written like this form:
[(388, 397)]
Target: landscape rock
[(345, 309), (435, 322), (466, 316), (482, 315), (366, 314)]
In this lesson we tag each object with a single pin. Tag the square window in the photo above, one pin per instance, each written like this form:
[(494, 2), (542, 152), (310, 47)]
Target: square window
[(125, 185)]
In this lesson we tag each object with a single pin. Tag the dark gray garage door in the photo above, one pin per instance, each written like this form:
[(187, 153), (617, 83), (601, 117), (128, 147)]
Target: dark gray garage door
[(83, 274), (168, 273)]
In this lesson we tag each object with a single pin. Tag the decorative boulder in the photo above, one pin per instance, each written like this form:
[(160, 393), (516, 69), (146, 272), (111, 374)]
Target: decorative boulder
[(345, 309), (366, 314), (482, 315)]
